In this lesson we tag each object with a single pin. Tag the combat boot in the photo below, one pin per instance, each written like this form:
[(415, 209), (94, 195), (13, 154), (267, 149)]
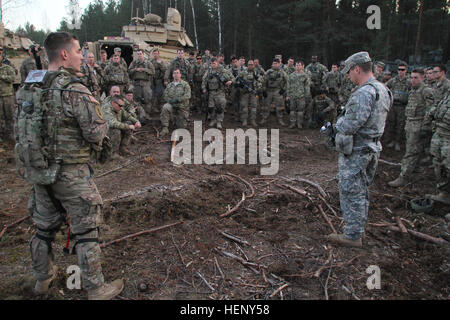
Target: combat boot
[(443, 197), (219, 125), (164, 131), (342, 240), (41, 286), (399, 182), (107, 291), (397, 146)]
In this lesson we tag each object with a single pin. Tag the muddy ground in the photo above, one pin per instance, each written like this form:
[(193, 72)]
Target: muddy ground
[(280, 233)]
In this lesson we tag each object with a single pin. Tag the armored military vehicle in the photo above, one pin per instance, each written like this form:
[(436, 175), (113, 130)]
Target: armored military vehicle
[(147, 33), (15, 49)]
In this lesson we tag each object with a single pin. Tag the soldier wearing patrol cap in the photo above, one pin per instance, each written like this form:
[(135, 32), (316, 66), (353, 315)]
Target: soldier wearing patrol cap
[(379, 68), (118, 52), (357, 141)]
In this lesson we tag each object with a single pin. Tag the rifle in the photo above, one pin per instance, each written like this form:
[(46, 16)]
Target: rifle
[(244, 84), (330, 133)]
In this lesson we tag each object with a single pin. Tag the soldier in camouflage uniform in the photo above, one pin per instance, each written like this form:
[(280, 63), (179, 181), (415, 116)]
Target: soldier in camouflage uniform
[(81, 129), (122, 62), (103, 62), (116, 75), (400, 86), (440, 146), (297, 93), (261, 73), (235, 93), (158, 80), (358, 134), (182, 64), (379, 71), (331, 81), (121, 124), (141, 72), (27, 65), (206, 58), (215, 80), (321, 110), (98, 71), (89, 79), (290, 67), (317, 71), (419, 102), (7, 76), (177, 95), (387, 76), (199, 71), (441, 83), (274, 87), (134, 108), (429, 80), (249, 98)]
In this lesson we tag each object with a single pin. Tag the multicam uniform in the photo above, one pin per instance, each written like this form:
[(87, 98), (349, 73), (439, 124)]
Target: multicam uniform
[(298, 91), (197, 101), (89, 80), (183, 65), (142, 81), (331, 82), (158, 82), (7, 76), (317, 71), (275, 82), (395, 125), (322, 110), (235, 93), (177, 95), (214, 82), (80, 127), (27, 65), (249, 99), (116, 75)]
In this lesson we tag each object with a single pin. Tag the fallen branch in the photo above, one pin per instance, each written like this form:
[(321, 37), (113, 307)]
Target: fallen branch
[(104, 245), (326, 218), (205, 281), (329, 207), (390, 163), (236, 207), (279, 290), (234, 238), (317, 186), (299, 191), (401, 225), (241, 260), (12, 225), (244, 181), (122, 166), (422, 236)]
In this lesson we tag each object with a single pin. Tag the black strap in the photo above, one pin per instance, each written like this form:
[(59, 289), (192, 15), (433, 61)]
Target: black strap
[(87, 240), (48, 240), (55, 201)]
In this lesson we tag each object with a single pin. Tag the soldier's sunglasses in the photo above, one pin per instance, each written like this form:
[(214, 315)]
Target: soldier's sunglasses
[(401, 69)]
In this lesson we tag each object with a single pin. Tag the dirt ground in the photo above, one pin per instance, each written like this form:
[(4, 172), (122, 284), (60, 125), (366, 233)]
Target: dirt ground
[(278, 251)]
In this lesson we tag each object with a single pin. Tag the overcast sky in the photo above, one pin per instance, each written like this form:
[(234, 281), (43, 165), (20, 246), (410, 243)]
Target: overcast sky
[(43, 14)]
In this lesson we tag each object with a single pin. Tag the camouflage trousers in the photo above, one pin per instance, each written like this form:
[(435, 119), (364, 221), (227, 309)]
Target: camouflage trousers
[(440, 151), (235, 96), (248, 100), (197, 98), (180, 112), (6, 117), (395, 123), (143, 94), (75, 193), (119, 139), (356, 173), (297, 110), (216, 105), (415, 147), (273, 96), (158, 92)]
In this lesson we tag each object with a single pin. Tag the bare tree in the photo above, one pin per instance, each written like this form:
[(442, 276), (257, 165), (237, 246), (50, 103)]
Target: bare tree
[(6, 5), (74, 12), (195, 26), (219, 15)]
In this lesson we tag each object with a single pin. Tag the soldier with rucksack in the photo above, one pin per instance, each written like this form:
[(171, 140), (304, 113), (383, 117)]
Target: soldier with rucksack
[(59, 127)]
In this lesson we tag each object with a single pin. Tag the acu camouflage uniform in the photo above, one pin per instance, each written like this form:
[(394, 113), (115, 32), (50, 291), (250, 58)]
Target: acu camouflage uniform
[(177, 95), (142, 82), (364, 119), (420, 101), (80, 130), (7, 76), (395, 126), (298, 91), (275, 83), (216, 91)]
